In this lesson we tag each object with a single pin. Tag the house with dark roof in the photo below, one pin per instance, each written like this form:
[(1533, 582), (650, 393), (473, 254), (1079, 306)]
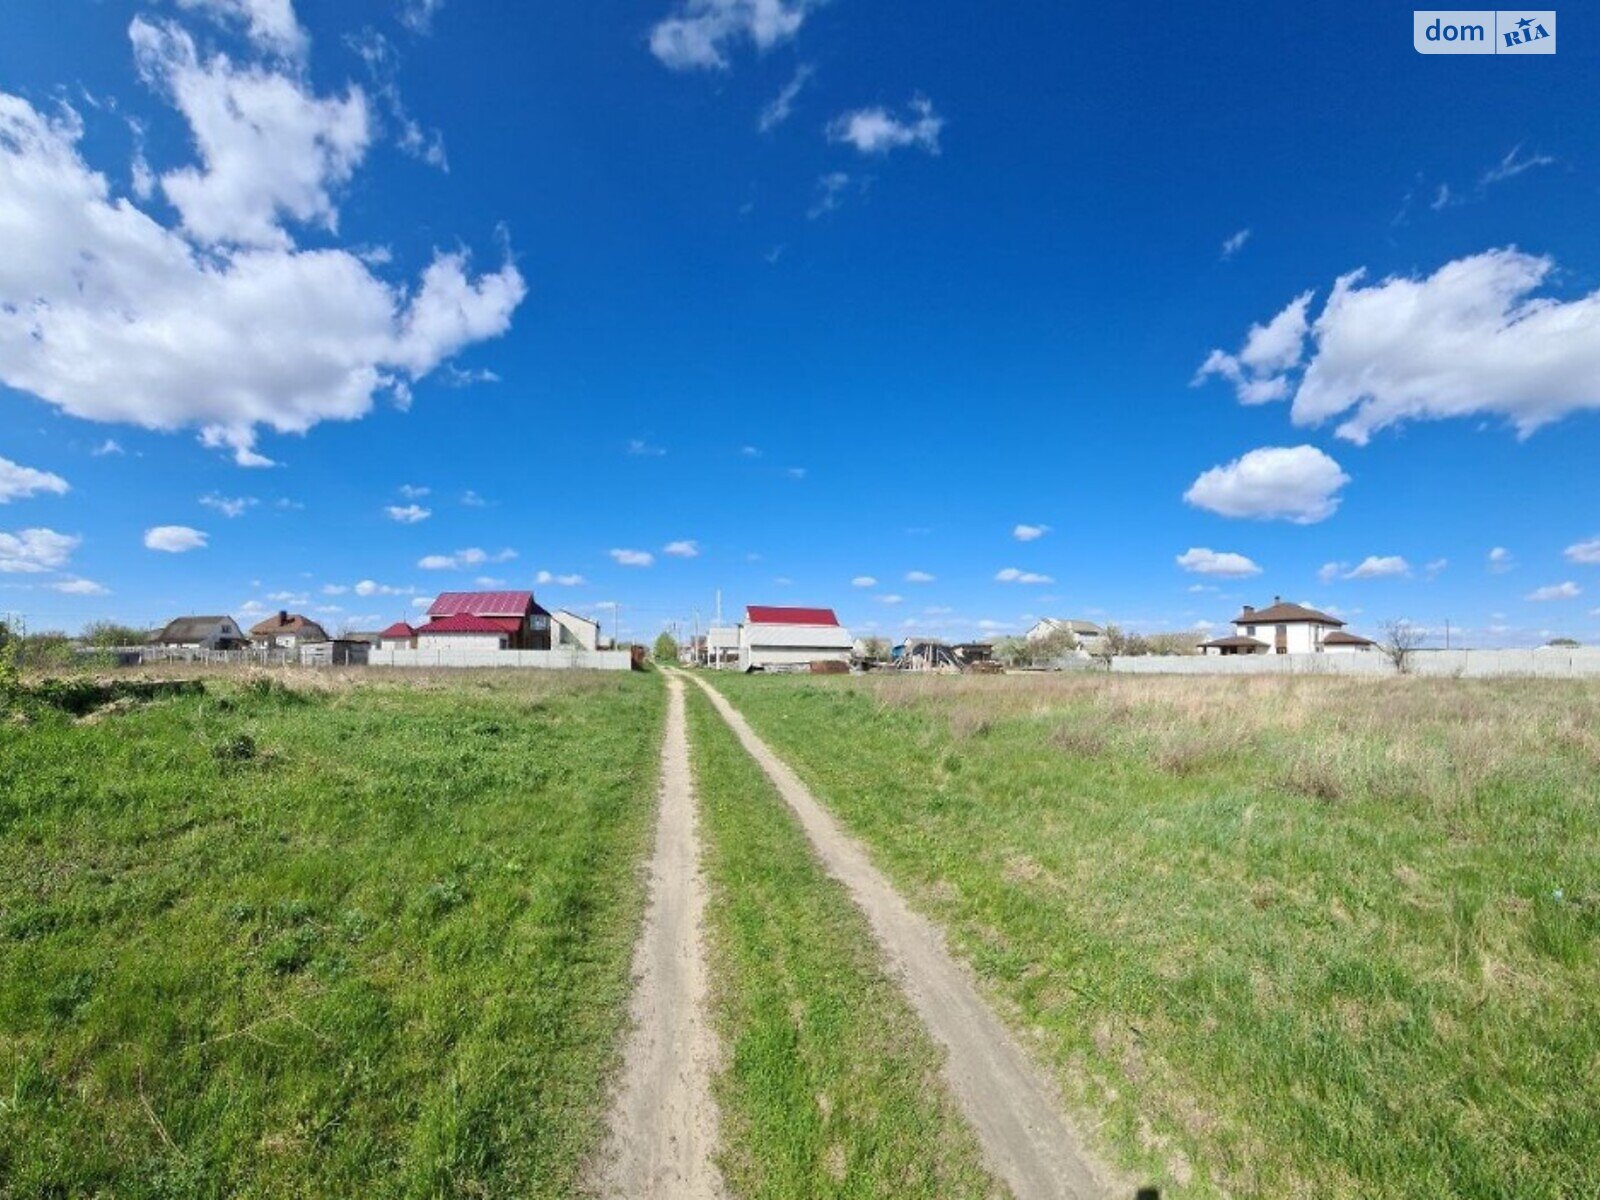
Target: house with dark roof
[(287, 631), (778, 638), (484, 620), (200, 633), (1283, 628)]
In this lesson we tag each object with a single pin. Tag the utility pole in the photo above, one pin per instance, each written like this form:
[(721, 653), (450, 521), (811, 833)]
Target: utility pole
[(1447, 633)]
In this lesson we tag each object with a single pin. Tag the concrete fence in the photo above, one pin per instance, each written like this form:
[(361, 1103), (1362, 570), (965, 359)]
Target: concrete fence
[(565, 659), (1548, 663)]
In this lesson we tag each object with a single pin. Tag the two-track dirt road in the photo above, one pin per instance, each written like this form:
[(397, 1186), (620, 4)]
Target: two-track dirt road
[(664, 1122)]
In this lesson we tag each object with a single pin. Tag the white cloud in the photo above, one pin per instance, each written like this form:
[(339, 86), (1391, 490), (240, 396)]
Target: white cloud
[(864, 581), (334, 589), (639, 448), (268, 148), (547, 577), (412, 491), (701, 32), (229, 506), (407, 514), (750, 451), (1501, 560), (241, 330), (417, 15), (76, 586), (1472, 339), (919, 577), (1374, 566), (632, 558), (795, 473), (1029, 533), (1584, 552), (270, 24), (108, 448), (383, 64), (472, 556), (471, 499), (829, 194), (1203, 561), (1017, 575), (1556, 591), (1292, 483), (489, 581), (174, 539), (29, 551), (877, 131), (688, 548), (370, 587), (782, 105), (889, 598), (1232, 245), (1257, 371), (18, 482), (1513, 165), (1436, 567)]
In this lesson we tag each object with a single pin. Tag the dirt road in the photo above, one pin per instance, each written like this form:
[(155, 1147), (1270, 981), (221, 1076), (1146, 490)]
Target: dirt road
[(664, 1122), (1016, 1114)]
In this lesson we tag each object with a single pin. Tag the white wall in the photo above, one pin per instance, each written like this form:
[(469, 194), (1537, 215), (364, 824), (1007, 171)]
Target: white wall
[(1464, 664), (448, 642), (1302, 637), (568, 658), (788, 656), (569, 630)]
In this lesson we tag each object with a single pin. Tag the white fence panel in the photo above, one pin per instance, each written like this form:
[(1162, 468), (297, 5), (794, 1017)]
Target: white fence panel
[(566, 659), (1549, 663)]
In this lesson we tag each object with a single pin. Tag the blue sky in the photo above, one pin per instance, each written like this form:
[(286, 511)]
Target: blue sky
[(787, 296)]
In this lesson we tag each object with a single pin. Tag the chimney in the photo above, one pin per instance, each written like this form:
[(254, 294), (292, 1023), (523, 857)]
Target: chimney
[(1249, 608), (283, 616), (1277, 599)]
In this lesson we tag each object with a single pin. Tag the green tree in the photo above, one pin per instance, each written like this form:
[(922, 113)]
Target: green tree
[(104, 634), (666, 647)]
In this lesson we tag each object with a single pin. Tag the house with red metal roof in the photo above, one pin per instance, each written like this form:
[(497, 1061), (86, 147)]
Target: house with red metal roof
[(780, 638), (483, 620)]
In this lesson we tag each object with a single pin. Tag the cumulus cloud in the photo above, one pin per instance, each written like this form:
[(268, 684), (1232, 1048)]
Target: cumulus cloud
[(878, 131), (701, 33), (407, 514), (864, 581), (1500, 560), (174, 539), (1235, 243), (1030, 533), (229, 506), (1557, 591), (688, 548), (18, 482), (270, 24), (1017, 575), (221, 324), (782, 105), (1291, 483), (1204, 561), (1257, 371), (1584, 552), (472, 556), (632, 558), (919, 577), (29, 551), (371, 587), (548, 577), (76, 586), (889, 598), (1472, 339), (1375, 566)]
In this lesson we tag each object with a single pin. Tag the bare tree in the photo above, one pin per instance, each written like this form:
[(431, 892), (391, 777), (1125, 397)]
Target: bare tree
[(1400, 642)]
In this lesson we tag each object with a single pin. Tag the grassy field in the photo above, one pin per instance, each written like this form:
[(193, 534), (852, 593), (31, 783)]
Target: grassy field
[(830, 1088), (1312, 937), (366, 939)]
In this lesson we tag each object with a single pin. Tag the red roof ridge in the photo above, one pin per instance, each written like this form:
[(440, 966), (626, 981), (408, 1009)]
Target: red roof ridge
[(781, 614)]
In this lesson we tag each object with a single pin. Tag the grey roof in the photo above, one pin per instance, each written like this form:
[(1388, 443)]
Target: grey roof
[(190, 629), (1088, 628)]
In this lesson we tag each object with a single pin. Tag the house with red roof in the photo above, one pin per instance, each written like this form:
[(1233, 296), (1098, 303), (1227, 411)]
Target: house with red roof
[(780, 638), (480, 620)]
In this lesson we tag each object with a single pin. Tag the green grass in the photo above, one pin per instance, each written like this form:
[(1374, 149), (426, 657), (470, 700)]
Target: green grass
[(1332, 938), (830, 1086), (363, 940)]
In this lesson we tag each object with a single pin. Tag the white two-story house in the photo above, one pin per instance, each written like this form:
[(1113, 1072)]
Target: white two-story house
[(1284, 628)]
